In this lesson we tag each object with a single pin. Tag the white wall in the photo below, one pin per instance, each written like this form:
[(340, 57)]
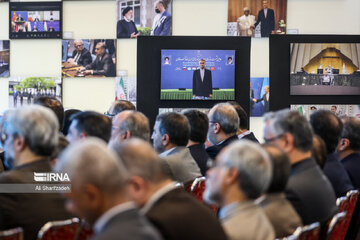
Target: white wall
[(97, 19)]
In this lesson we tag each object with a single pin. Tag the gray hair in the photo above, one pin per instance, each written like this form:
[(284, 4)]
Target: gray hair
[(286, 121), (140, 159), (253, 164), (226, 115), (91, 162), (138, 124), (38, 125)]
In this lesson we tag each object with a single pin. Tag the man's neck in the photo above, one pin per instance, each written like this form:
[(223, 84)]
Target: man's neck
[(222, 137), (154, 187), (191, 143), (232, 195), (25, 157), (345, 153), (297, 156), (112, 201), (169, 146)]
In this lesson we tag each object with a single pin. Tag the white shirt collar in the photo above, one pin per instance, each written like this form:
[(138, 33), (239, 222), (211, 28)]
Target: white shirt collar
[(157, 195), (165, 153), (109, 214), (244, 134)]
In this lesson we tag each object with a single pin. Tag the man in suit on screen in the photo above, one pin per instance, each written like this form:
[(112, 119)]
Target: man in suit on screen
[(162, 22), (266, 17), (202, 82)]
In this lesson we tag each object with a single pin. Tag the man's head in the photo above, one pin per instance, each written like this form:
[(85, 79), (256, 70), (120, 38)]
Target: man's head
[(350, 136), (144, 167), (265, 4), (313, 108), (128, 13), (89, 124), (229, 59), (53, 104), (288, 130), (242, 168), (199, 125), (100, 49), (267, 89), (170, 130), (334, 109), (280, 169), (223, 122), (243, 117), (159, 6), (202, 63), (246, 11), (97, 177), (79, 45), (30, 131), (120, 105), (129, 124), (328, 126)]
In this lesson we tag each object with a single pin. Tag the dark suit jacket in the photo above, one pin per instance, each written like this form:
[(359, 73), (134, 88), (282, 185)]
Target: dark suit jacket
[(266, 102), (310, 192), (179, 216), (250, 137), (202, 88), (337, 175), (268, 23), (128, 225), (200, 156), (125, 29), (29, 210), (214, 150), (105, 66), (352, 166), (85, 57), (252, 96), (164, 28)]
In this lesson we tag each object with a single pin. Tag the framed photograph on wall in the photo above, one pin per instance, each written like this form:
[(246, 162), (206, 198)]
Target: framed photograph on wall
[(339, 110), (259, 96), (4, 58)]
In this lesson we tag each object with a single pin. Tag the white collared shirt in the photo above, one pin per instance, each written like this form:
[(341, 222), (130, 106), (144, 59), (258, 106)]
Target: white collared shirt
[(109, 214), (265, 12), (165, 153), (244, 134), (157, 195), (202, 74)]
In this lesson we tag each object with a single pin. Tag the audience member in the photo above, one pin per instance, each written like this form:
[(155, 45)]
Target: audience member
[(349, 149), (53, 104), (223, 125), (98, 192), (129, 124), (308, 189), (199, 125), (67, 119), (241, 174), (118, 106), (62, 145), (278, 209), (30, 138), (89, 124), (170, 136), (328, 126), (243, 130), (318, 151), (170, 209)]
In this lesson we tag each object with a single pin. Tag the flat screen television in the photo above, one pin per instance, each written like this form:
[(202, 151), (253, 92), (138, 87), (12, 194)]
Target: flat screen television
[(35, 20), (197, 74)]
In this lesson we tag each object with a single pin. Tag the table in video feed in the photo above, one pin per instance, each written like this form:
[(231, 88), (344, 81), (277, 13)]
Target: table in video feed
[(71, 70)]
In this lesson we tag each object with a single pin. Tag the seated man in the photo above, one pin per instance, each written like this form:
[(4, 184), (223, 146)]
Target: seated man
[(80, 56), (103, 64), (53, 104), (242, 172), (118, 106), (174, 212), (89, 124), (171, 135), (30, 138), (98, 192)]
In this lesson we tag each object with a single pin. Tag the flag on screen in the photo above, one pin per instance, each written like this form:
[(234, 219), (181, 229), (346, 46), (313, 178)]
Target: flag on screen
[(121, 90), (301, 110)]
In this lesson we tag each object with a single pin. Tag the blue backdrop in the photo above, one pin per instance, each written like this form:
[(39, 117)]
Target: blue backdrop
[(258, 86), (178, 71)]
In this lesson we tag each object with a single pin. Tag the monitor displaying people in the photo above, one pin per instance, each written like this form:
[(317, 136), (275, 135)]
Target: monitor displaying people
[(324, 69), (143, 18), (258, 19), (197, 74), (89, 58)]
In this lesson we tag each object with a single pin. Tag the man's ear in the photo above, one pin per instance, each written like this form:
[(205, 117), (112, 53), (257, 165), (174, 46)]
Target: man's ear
[(343, 144), (165, 139), (93, 196), (19, 143), (137, 189), (125, 135), (217, 127), (288, 142), (232, 176)]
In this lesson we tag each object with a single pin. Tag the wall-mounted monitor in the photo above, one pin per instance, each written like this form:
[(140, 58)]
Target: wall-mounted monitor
[(35, 20), (197, 74)]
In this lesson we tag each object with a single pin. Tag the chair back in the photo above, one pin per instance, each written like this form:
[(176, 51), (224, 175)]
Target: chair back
[(71, 229), (336, 229), (197, 189), (308, 232), (12, 234)]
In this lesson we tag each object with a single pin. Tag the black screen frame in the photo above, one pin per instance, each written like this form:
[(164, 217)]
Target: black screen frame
[(280, 71), (36, 6), (149, 70)]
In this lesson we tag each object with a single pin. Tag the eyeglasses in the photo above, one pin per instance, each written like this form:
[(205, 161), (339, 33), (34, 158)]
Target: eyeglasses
[(110, 115), (267, 140)]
